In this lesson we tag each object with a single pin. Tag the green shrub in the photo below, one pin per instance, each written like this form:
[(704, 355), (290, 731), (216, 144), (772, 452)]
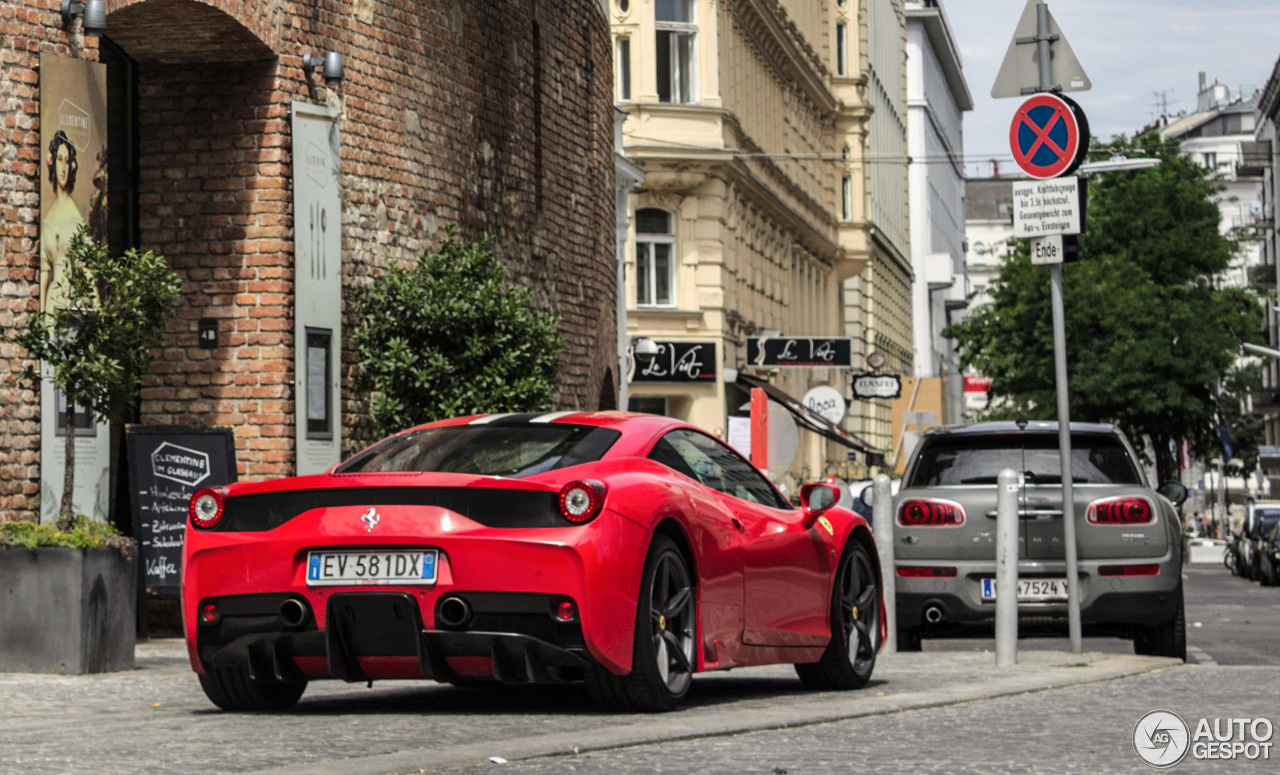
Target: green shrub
[(82, 533), (452, 337)]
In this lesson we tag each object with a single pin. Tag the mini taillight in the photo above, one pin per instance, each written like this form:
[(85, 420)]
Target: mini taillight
[(926, 572), (1120, 511), (205, 508), (580, 501), (930, 514), (1129, 570)]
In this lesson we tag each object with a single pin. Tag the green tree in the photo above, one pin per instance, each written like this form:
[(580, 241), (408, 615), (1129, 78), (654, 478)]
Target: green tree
[(1148, 330), (98, 344), (451, 337), (1246, 428)]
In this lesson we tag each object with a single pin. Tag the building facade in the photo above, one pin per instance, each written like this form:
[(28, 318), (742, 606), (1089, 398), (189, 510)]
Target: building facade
[(272, 189), (937, 97), (750, 121), (1266, 158)]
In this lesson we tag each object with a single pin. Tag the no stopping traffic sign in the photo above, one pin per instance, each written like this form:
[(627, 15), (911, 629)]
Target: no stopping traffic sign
[(1049, 136)]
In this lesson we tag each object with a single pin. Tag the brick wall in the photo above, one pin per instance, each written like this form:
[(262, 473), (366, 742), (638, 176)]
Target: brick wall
[(495, 116)]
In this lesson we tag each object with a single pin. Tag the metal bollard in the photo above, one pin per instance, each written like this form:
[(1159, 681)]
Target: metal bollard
[(882, 527), (1007, 568)]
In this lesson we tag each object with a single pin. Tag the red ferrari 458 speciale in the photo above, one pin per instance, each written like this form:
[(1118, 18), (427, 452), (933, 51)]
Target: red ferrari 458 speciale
[(626, 551)]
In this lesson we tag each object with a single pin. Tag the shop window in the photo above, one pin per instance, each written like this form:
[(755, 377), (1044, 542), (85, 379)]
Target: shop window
[(647, 404), (677, 36), (655, 258)]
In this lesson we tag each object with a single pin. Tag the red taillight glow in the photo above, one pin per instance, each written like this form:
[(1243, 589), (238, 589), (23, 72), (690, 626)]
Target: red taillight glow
[(566, 611), (926, 572), (1120, 511), (209, 613), (1129, 570), (930, 514), (581, 501), (205, 508)]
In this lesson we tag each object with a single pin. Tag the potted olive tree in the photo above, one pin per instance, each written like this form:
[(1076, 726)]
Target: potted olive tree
[(69, 587)]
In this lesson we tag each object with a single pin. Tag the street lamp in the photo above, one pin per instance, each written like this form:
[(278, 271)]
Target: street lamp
[(1117, 163)]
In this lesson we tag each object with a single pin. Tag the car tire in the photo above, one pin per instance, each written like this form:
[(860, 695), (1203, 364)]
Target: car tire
[(850, 656), (664, 651), (1165, 640), (1268, 575), (231, 688), (909, 640)]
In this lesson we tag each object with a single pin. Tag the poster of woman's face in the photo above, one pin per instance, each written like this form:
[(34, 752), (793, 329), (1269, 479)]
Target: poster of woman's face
[(73, 183)]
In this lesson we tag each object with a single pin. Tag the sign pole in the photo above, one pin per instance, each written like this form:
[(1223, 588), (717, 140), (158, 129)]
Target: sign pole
[(1043, 41)]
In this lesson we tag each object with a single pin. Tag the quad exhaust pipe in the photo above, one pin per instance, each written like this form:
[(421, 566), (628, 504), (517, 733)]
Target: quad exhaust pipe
[(454, 613)]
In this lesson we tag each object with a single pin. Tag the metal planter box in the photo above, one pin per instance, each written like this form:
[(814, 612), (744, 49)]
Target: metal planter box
[(68, 611)]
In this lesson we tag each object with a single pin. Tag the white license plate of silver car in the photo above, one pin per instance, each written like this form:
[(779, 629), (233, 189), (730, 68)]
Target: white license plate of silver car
[(1030, 590), (371, 567)]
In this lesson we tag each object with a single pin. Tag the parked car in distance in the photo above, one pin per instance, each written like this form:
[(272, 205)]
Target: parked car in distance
[(1269, 556), (1128, 536), (625, 551), (1243, 541), (1262, 517)]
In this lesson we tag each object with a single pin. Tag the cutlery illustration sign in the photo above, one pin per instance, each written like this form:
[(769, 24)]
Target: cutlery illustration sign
[(676, 362), (834, 352)]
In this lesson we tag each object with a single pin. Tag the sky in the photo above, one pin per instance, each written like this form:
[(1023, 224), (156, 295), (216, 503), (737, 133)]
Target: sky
[(1130, 49)]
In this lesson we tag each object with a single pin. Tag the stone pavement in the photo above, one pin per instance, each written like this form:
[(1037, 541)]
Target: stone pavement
[(156, 719)]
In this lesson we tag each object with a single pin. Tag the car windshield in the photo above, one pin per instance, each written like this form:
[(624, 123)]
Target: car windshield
[(1266, 519), (488, 450), (973, 459)]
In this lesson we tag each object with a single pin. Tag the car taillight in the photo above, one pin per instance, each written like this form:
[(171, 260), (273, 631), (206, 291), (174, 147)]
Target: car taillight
[(1129, 570), (930, 514), (581, 501), (206, 506), (1120, 511), (926, 572)]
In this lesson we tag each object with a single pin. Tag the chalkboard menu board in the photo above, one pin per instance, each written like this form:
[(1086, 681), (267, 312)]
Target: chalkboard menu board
[(167, 464)]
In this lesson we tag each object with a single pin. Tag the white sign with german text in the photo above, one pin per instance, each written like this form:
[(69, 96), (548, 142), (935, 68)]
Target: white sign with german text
[(1043, 207)]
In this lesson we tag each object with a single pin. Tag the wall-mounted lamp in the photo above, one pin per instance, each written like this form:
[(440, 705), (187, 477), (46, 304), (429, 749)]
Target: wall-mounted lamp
[(94, 13), (330, 66)]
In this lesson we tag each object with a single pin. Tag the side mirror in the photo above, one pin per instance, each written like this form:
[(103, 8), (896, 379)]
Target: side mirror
[(1176, 492), (817, 498), (867, 496)]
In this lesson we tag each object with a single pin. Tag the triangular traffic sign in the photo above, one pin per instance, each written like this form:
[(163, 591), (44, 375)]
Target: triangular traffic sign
[(1020, 72)]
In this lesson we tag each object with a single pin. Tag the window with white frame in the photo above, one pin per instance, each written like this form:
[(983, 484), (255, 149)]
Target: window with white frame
[(622, 67), (842, 49), (655, 258), (676, 44)]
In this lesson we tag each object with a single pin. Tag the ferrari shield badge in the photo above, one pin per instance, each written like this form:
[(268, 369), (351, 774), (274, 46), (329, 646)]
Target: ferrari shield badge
[(826, 525)]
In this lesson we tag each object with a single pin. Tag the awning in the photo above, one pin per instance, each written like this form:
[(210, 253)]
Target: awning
[(810, 419)]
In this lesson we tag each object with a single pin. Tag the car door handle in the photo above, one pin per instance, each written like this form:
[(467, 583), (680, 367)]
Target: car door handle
[(738, 524)]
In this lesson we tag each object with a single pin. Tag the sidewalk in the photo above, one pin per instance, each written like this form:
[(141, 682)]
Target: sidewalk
[(156, 718)]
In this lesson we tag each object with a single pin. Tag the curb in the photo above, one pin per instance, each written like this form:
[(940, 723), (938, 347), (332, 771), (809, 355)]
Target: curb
[(717, 722)]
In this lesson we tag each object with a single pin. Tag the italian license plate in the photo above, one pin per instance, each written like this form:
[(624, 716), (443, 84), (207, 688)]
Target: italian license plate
[(1030, 590), (356, 568)]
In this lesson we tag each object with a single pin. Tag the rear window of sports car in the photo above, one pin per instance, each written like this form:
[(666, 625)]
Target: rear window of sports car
[(954, 460), (488, 450)]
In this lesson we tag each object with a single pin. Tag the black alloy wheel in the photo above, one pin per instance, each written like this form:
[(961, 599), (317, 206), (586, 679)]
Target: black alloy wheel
[(855, 626), (663, 651)]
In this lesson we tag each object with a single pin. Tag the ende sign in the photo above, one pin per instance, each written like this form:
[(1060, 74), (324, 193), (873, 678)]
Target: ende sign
[(1043, 207)]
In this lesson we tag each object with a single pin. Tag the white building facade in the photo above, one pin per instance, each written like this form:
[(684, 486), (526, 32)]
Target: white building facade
[(937, 97)]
